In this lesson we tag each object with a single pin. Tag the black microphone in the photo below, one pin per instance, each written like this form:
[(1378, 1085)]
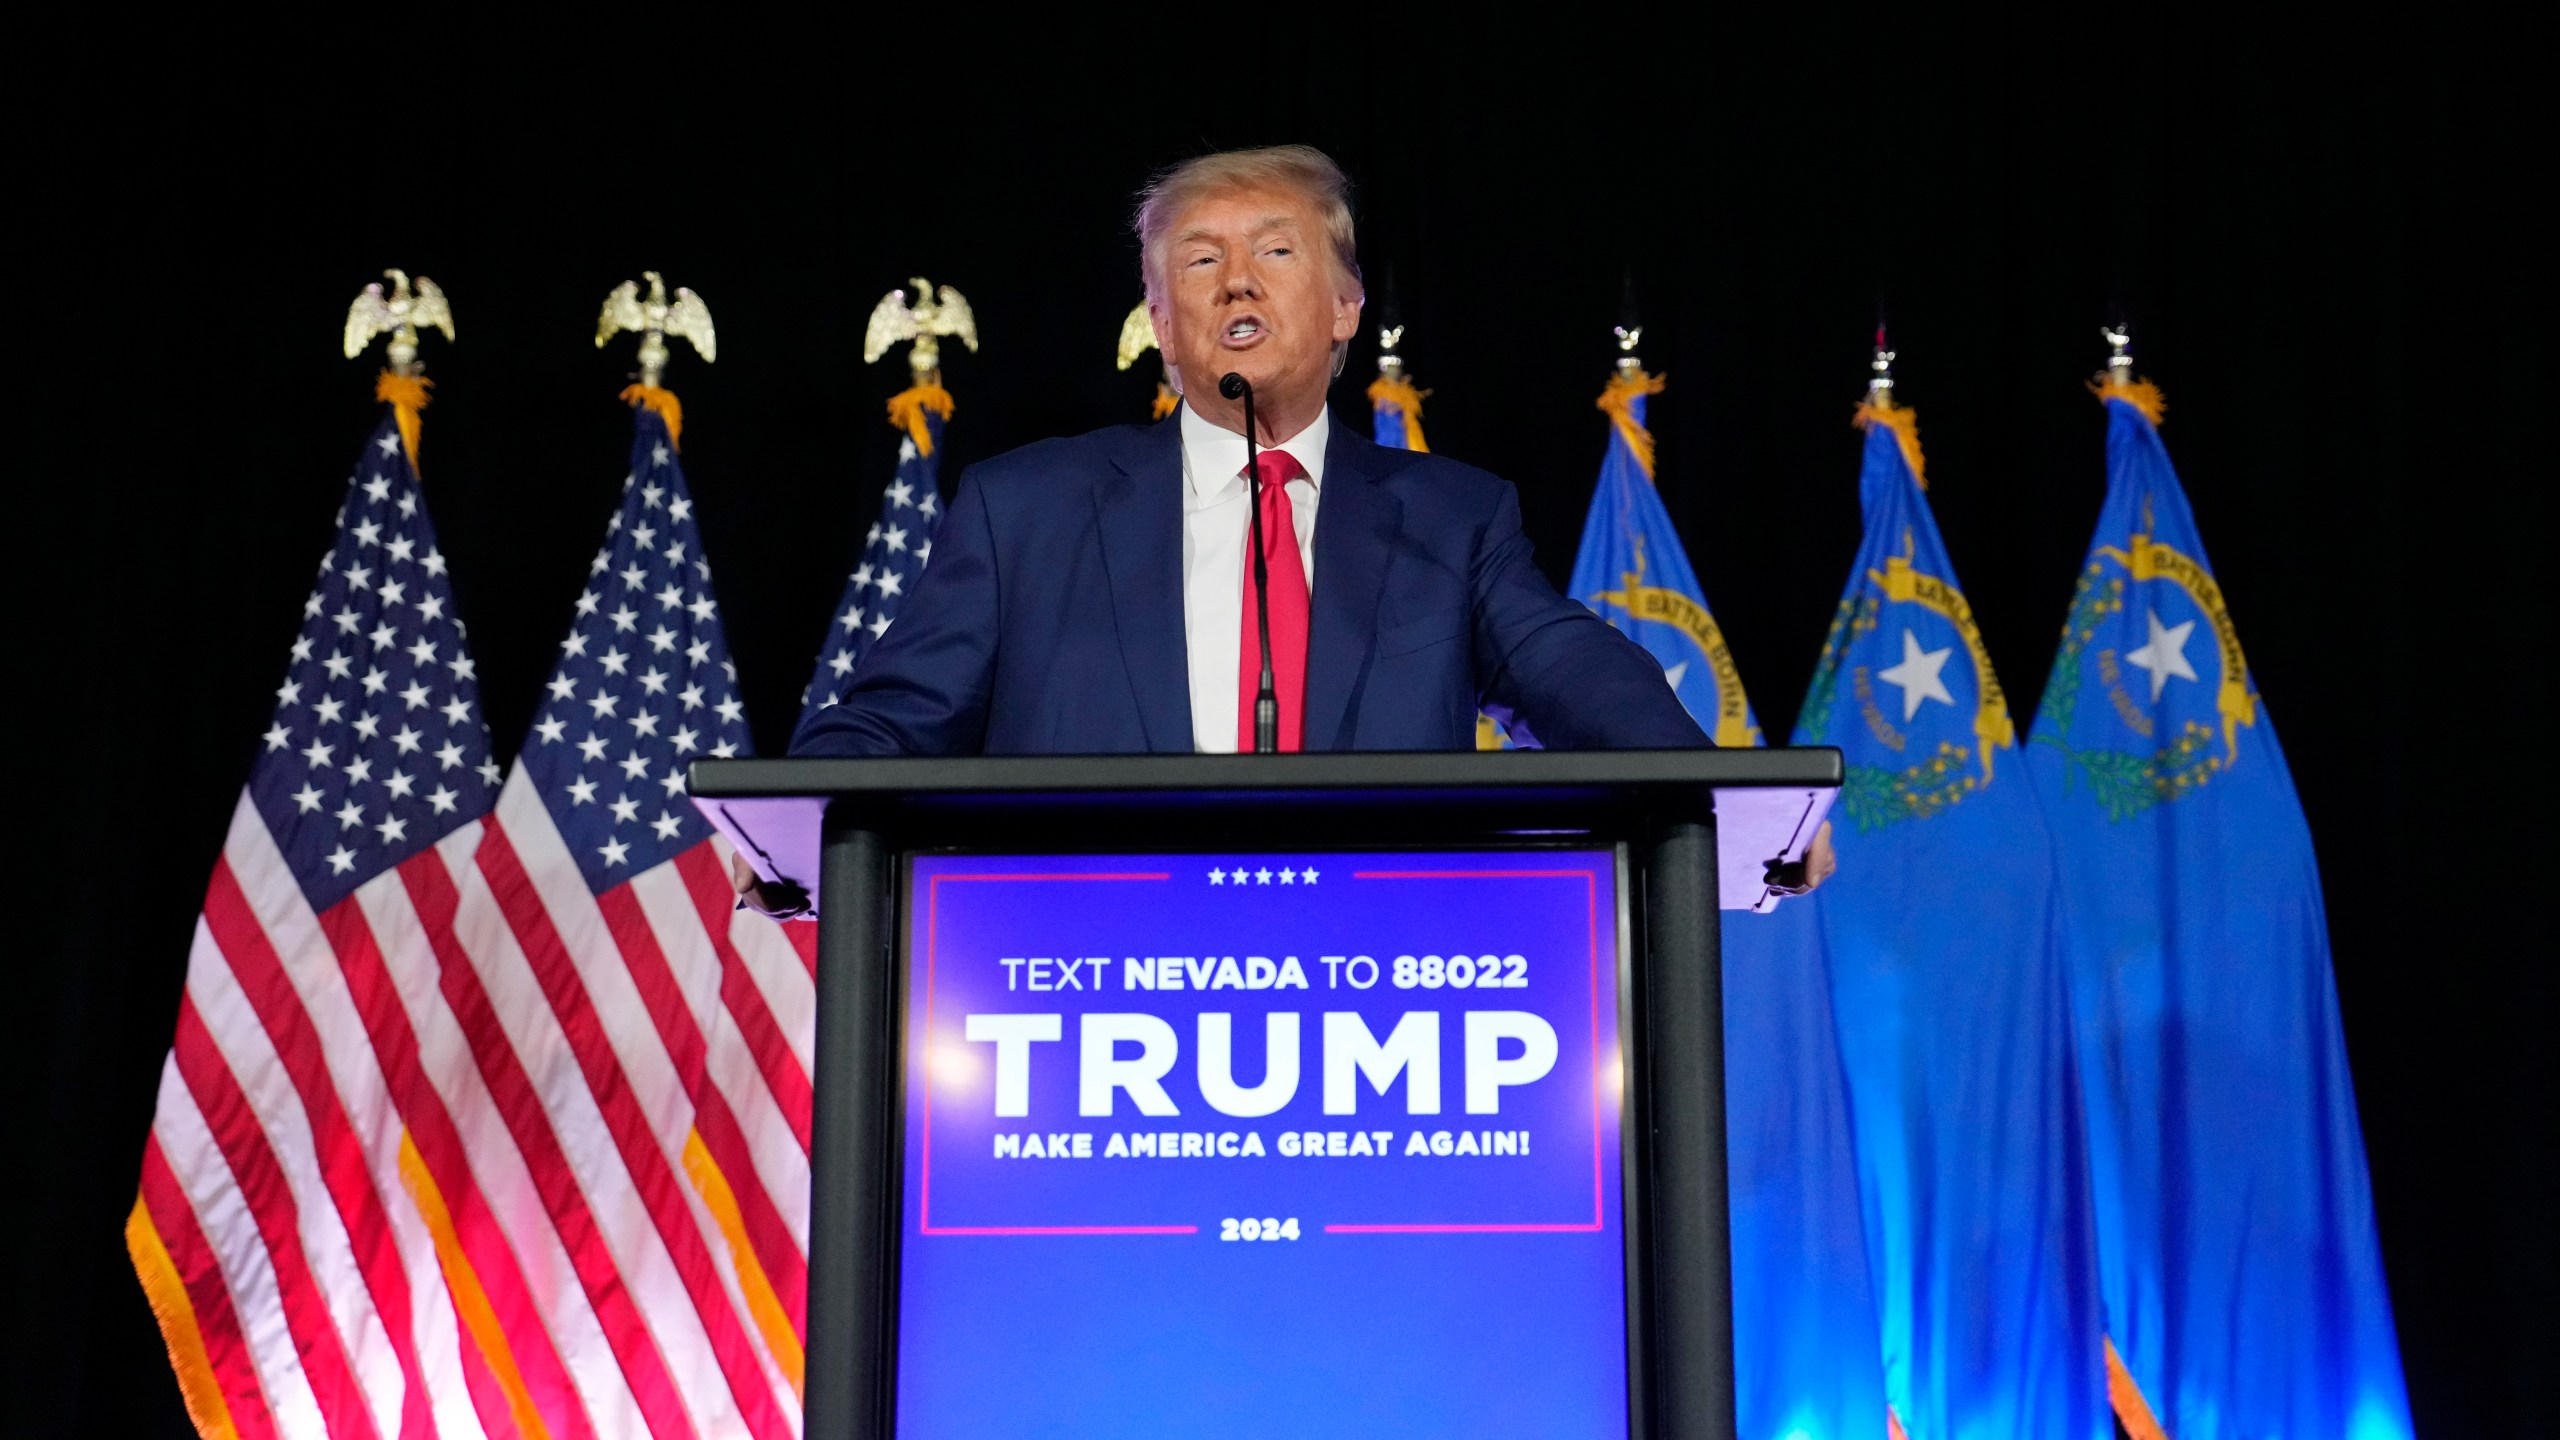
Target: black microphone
[(1266, 700)]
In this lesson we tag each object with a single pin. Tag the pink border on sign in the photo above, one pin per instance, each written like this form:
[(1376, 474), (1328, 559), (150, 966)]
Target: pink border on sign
[(1591, 897), (924, 1217)]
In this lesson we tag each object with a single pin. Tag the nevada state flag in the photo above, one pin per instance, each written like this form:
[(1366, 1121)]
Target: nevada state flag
[(1941, 938), (1633, 570), (2243, 1282)]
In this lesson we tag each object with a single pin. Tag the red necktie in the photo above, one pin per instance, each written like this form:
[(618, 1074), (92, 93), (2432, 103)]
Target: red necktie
[(1288, 609)]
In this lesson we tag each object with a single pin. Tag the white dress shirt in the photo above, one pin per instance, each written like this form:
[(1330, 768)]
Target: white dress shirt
[(1216, 517)]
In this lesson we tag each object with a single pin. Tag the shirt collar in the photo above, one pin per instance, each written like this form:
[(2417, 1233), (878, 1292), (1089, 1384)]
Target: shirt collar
[(1213, 458)]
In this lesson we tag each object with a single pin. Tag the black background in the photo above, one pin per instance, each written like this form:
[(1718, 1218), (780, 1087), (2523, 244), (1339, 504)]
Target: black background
[(2316, 232)]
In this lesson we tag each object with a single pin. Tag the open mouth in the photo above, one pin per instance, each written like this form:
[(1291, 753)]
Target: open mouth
[(1242, 331)]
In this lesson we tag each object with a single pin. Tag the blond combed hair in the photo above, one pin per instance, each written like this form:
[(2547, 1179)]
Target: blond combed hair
[(1302, 168)]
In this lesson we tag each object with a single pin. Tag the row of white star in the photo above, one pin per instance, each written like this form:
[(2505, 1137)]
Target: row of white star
[(625, 809), (1242, 876), (401, 550), (653, 682), (309, 801), (384, 637), (626, 620), (635, 578), (644, 724), (614, 662), (329, 710), (583, 790), (319, 753)]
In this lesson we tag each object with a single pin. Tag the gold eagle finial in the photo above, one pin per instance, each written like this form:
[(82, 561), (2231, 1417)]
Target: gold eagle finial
[(400, 314), (657, 318), (1390, 364), (2119, 338), (929, 316), (1137, 335)]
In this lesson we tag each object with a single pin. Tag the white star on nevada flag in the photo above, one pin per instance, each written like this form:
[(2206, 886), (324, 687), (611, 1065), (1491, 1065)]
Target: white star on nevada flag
[(1918, 676), (2164, 655)]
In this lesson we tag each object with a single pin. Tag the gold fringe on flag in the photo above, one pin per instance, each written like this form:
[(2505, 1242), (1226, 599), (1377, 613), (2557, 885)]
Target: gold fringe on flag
[(2142, 395), (907, 407), (1619, 400), (1166, 401), (2132, 1411), (1407, 401), (161, 1285), (669, 408), (407, 395), (1905, 425)]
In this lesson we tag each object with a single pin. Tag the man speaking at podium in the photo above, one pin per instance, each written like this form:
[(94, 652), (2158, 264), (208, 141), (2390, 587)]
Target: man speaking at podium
[(1095, 595)]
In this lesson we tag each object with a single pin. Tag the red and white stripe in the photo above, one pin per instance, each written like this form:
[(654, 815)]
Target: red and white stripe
[(633, 1039), (477, 1152)]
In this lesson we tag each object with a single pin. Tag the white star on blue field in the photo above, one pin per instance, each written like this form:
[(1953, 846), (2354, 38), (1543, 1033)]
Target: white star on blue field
[(377, 748), (644, 685)]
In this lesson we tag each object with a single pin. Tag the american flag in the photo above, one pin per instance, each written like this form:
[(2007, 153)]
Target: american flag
[(651, 1044), (485, 1121), (893, 558), (317, 1228)]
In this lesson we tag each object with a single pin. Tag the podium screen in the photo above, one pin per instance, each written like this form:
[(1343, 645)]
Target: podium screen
[(1303, 1144)]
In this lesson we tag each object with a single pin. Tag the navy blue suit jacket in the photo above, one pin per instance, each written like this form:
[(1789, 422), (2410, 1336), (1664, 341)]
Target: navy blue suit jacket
[(1050, 620)]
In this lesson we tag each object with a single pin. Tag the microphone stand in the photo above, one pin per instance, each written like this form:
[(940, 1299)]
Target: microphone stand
[(1266, 701)]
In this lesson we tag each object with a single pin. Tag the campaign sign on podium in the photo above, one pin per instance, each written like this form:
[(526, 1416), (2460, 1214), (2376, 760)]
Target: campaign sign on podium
[(1360, 1112), (1302, 1095)]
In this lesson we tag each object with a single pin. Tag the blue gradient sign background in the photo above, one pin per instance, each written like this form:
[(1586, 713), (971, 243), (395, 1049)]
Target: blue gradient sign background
[(1452, 1272)]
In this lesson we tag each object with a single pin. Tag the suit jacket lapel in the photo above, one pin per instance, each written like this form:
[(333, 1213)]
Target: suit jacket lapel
[(1356, 526), (1139, 507)]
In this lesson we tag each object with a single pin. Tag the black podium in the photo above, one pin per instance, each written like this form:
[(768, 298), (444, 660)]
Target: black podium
[(850, 831)]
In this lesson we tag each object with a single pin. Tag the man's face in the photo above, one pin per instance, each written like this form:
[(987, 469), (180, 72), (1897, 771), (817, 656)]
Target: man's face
[(1250, 286)]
